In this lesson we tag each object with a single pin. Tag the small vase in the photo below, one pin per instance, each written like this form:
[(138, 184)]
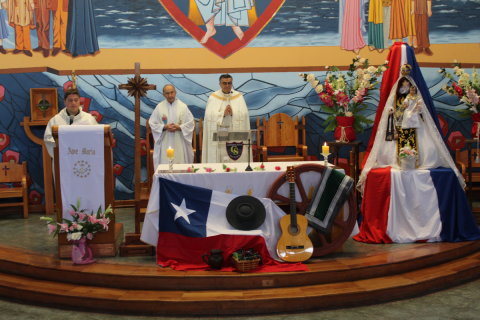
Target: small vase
[(81, 253), (344, 131), (408, 163), (476, 125)]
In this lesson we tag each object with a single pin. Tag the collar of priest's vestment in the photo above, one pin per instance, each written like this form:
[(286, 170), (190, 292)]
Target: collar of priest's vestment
[(173, 103), (76, 114), (222, 96)]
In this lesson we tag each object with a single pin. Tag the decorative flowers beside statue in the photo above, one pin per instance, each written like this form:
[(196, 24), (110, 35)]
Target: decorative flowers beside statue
[(84, 226), (467, 89), (343, 97), (408, 158)]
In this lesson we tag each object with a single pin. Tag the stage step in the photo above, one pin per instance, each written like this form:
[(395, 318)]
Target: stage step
[(151, 277), (236, 302)]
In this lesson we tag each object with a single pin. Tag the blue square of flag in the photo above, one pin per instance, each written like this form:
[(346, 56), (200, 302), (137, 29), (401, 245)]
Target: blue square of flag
[(183, 209)]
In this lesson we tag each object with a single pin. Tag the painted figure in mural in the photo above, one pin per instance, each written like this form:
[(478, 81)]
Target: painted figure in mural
[(72, 113), (42, 19), (20, 17), (422, 10), (172, 126), (60, 21), (81, 28), (234, 13), (410, 23), (352, 37), (398, 27), (3, 26), (375, 26), (387, 13), (225, 107)]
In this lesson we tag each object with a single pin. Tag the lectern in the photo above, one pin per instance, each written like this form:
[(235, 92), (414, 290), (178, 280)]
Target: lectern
[(231, 145), (104, 244)]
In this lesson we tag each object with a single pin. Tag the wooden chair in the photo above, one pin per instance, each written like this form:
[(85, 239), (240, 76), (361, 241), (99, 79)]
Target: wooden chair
[(461, 161), (281, 131), (12, 172)]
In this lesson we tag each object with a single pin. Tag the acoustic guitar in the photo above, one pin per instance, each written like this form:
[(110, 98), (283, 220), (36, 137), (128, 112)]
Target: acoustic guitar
[(294, 244)]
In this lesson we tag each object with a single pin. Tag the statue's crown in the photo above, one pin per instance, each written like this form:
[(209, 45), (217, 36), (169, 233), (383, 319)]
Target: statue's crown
[(405, 70)]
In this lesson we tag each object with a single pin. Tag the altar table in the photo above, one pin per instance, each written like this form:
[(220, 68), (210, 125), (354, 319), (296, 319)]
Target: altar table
[(253, 183)]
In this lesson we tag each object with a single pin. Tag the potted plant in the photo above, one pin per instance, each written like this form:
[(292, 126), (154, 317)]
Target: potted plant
[(408, 158), (343, 97)]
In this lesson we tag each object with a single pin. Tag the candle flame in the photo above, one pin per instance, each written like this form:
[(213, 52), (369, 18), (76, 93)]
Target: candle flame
[(325, 144)]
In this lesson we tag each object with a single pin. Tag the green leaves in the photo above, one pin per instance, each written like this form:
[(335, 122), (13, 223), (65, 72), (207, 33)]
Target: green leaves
[(464, 113)]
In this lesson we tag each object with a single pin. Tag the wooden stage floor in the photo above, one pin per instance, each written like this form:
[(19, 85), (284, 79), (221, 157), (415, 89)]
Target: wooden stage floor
[(363, 274)]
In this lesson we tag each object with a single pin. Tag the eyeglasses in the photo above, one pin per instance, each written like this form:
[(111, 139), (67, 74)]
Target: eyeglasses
[(227, 83)]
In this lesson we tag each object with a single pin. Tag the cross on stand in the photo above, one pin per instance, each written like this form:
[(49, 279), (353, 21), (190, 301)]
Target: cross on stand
[(5, 169), (44, 105), (280, 123), (138, 88)]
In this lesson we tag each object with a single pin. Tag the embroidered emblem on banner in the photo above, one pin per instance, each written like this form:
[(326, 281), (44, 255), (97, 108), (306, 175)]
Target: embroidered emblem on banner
[(164, 119), (81, 169), (234, 150)]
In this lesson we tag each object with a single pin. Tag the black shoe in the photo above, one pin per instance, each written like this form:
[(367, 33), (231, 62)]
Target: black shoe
[(46, 52), (27, 52), (2, 50), (55, 51), (38, 49), (16, 51)]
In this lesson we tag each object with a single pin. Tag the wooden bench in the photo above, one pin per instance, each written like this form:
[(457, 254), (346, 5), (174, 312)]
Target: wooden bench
[(11, 173)]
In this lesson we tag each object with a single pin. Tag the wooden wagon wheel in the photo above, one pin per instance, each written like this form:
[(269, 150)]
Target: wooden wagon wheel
[(347, 226)]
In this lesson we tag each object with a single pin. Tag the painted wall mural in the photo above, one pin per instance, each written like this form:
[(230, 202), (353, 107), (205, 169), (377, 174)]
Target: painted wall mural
[(83, 27), (265, 95)]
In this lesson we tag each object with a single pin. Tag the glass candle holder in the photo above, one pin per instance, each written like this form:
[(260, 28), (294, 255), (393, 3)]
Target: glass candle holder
[(325, 158), (170, 164)]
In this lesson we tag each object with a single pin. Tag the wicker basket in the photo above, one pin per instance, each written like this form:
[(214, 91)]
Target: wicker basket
[(245, 265)]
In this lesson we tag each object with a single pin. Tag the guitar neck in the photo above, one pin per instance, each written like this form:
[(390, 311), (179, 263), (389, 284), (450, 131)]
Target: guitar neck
[(293, 206)]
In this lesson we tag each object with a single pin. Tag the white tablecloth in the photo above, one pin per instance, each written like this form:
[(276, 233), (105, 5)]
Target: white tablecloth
[(254, 183)]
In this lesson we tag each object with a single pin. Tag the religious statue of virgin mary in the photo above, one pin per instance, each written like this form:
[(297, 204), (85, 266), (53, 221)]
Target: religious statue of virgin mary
[(414, 126)]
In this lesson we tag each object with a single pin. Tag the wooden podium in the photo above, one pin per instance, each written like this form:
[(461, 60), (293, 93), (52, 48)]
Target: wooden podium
[(104, 244)]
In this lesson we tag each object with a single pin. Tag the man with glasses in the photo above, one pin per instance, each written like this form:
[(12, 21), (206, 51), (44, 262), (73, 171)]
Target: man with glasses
[(225, 107)]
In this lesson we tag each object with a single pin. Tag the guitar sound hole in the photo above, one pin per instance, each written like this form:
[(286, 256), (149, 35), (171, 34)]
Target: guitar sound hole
[(293, 230)]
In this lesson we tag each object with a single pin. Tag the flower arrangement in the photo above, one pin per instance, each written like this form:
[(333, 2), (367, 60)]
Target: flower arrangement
[(192, 169), (260, 168), (209, 170), (250, 254), (407, 152), (466, 88), (345, 97), (228, 169), (278, 168), (84, 225)]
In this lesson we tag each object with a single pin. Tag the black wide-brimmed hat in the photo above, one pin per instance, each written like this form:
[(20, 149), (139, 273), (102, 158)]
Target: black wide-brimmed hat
[(246, 213)]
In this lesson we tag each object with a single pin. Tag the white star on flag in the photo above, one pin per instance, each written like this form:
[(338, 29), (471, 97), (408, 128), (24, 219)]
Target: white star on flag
[(182, 211)]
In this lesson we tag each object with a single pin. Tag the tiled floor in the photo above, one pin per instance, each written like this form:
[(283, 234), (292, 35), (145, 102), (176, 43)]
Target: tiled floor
[(462, 302)]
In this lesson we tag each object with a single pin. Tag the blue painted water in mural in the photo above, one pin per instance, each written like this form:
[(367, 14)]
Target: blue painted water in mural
[(265, 95), (146, 24)]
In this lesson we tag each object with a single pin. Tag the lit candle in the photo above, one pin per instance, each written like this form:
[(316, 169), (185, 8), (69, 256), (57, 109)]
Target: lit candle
[(325, 149), (170, 152)]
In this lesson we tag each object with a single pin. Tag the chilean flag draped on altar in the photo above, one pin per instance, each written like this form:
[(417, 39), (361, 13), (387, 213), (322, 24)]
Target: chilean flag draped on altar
[(192, 221), (417, 205)]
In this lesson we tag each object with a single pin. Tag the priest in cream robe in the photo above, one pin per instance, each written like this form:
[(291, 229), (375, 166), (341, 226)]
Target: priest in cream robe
[(72, 114), (224, 107), (172, 126)]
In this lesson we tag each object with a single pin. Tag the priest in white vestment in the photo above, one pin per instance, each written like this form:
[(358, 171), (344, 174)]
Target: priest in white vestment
[(225, 107), (72, 114), (172, 126)]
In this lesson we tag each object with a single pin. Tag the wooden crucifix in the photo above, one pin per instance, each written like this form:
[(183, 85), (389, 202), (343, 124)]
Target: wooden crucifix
[(138, 88)]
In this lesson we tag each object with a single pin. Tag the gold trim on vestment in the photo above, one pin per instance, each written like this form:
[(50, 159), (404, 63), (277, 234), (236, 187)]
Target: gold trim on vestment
[(224, 98)]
